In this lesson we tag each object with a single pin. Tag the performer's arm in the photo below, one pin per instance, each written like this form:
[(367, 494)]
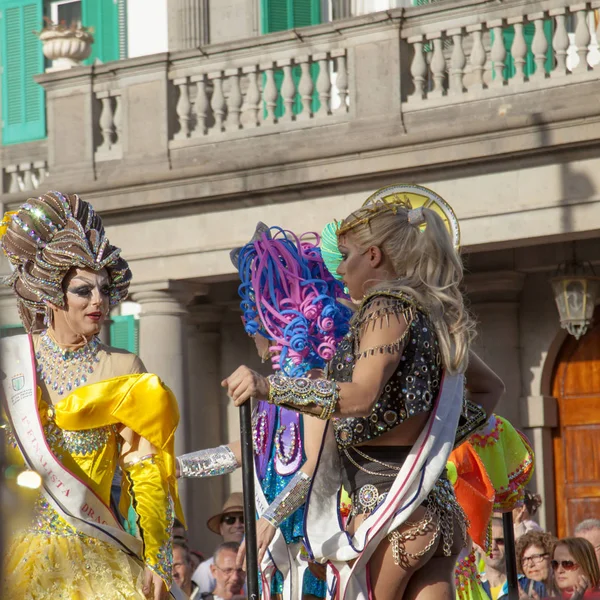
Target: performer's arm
[(484, 387), (211, 461), (380, 350), (146, 480)]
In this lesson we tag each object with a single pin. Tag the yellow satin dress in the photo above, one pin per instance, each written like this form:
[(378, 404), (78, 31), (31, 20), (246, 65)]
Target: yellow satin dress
[(50, 560)]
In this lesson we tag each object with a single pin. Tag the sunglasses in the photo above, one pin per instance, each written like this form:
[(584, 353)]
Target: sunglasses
[(499, 541), (567, 565), (231, 519)]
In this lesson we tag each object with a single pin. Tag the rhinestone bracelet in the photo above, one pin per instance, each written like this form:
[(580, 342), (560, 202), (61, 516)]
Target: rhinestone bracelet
[(289, 500), (304, 394), (208, 463)]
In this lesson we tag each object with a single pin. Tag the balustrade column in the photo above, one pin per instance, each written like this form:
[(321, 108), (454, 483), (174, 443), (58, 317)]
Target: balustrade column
[(323, 84), (251, 107), (341, 81), (518, 50), (13, 186), (201, 106), (183, 108), (288, 89), (478, 57), (582, 35), (498, 53), (560, 42), (458, 61), (305, 88), (27, 181), (217, 102), (539, 46), (106, 122), (418, 68), (438, 66), (270, 92), (234, 99)]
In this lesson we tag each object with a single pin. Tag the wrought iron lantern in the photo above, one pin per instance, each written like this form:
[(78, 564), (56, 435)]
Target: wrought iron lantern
[(576, 291)]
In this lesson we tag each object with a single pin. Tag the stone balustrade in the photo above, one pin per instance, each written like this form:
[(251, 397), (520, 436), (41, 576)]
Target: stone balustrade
[(466, 56), (257, 93), (344, 88), (24, 177)]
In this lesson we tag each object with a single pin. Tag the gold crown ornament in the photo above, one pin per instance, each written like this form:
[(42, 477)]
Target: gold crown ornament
[(413, 198)]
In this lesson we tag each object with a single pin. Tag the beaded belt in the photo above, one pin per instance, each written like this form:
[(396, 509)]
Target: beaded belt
[(366, 500)]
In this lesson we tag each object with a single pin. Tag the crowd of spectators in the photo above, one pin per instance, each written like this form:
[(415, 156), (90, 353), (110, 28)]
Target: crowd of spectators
[(547, 567)]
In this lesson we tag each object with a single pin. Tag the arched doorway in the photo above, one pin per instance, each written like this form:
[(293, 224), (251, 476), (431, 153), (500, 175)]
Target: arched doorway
[(576, 386)]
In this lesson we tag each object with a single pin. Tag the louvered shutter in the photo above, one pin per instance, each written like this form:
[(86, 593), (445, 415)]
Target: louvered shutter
[(103, 17), (23, 107), (124, 333)]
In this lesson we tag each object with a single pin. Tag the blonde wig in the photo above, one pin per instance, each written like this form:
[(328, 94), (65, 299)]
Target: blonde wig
[(426, 266)]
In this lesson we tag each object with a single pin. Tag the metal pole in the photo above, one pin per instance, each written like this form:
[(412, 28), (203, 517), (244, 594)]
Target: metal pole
[(510, 556), (249, 506)]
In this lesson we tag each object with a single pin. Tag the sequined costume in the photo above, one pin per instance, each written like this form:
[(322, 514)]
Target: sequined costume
[(76, 413), (53, 560)]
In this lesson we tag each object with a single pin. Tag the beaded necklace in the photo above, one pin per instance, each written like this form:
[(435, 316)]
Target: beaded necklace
[(64, 370)]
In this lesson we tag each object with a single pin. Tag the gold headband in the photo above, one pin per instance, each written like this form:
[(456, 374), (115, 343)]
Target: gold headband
[(413, 198)]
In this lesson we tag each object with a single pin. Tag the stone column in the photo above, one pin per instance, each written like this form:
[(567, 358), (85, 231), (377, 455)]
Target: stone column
[(188, 24), (206, 411), (163, 350)]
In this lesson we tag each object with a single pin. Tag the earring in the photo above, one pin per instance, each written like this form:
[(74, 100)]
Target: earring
[(48, 314)]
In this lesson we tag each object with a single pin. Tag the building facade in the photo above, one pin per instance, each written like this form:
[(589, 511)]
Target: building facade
[(292, 112)]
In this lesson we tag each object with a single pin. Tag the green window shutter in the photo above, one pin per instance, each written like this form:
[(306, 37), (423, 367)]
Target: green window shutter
[(103, 17), (23, 107), (279, 15), (275, 16), (124, 333)]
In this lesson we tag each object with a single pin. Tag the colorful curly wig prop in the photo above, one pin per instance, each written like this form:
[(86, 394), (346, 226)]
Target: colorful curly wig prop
[(289, 297)]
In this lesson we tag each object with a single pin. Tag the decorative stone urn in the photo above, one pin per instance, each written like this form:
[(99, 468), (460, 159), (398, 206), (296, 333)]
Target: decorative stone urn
[(66, 48)]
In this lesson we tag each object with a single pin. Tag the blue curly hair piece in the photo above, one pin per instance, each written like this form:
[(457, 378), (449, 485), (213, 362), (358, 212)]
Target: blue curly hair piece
[(289, 297)]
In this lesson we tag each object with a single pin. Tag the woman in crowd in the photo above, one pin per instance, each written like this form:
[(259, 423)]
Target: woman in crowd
[(534, 553), (290, 309), (395, 391), (76, 409), (575, 568)]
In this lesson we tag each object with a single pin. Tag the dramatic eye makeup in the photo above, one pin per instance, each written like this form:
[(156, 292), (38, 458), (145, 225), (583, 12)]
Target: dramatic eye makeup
[(84, 288)]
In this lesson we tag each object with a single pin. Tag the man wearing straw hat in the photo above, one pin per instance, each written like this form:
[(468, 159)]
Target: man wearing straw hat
[(229, 524)]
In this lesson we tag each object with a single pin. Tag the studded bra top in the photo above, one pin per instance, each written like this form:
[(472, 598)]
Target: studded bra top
[(412, 388)]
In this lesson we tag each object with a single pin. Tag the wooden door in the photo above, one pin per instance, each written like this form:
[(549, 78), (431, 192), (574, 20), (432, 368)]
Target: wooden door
[(576, 385)]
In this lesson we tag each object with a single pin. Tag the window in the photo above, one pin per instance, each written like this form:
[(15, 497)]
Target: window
[(279, 15), (124, 333), (66, 11), (23, 107)]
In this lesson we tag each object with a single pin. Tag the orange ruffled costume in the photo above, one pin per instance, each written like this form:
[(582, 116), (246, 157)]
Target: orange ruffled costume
[(51, 560), (489, 473)]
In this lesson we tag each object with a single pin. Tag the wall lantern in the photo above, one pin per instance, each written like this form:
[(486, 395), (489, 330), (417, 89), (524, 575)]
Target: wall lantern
[(576, 291)]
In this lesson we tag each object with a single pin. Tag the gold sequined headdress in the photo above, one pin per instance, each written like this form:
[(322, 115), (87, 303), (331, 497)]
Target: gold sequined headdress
[(46, 238), (413, 198)]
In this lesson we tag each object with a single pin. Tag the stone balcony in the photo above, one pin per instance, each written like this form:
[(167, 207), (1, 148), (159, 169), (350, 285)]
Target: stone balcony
[(324, 111)]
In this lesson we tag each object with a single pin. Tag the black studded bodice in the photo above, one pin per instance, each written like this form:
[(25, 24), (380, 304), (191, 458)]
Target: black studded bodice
[(412, 388)]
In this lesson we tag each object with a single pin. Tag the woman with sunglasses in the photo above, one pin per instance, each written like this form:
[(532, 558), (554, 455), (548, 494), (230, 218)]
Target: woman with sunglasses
[(534, 552), (575, 568)]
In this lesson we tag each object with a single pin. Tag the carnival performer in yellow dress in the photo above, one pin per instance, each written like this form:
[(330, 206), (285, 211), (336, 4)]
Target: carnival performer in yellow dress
[(76, 409)]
